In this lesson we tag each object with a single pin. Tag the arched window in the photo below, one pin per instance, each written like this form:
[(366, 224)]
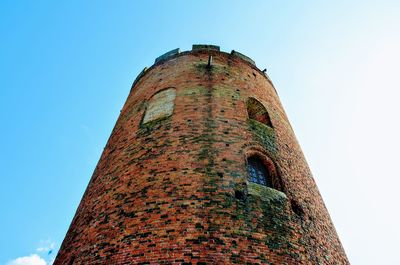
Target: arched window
[(258, 112), (258, 172), (161, 105)]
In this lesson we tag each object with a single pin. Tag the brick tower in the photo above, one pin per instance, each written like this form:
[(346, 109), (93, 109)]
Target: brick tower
[(202, 167)]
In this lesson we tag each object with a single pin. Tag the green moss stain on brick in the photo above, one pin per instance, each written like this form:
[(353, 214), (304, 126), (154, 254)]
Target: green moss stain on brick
[(265, 193), (263, 134), (192, 92), (226, 92)]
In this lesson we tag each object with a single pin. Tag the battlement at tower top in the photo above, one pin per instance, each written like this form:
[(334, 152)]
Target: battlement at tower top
[(201, 48)]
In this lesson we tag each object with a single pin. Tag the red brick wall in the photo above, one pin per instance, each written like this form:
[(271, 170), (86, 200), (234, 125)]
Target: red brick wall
[(164, 192)]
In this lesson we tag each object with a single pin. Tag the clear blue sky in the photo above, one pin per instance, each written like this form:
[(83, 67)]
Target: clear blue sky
[(66, 68)]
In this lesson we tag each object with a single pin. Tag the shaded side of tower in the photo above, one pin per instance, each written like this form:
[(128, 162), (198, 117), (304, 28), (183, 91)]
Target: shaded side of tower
[(202, 167)]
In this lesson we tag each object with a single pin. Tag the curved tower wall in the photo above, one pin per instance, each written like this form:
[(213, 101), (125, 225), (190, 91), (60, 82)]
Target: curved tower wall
[(174, 188)]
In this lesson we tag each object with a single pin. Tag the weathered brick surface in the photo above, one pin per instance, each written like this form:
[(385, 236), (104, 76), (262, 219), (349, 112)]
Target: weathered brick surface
[(163, 192)]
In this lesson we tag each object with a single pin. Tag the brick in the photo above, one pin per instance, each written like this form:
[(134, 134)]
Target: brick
[(175, 190)]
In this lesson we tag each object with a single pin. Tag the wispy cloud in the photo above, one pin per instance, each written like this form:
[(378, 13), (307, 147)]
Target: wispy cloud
[(33, 259), (45, 246), (44, 256)]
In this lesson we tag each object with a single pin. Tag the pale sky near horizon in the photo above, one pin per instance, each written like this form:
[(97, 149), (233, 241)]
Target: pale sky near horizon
[(67, 66)]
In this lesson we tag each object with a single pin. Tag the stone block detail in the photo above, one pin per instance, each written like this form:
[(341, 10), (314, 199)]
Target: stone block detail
[(242, 56), (167, 55), (205, 47), (161, 105)]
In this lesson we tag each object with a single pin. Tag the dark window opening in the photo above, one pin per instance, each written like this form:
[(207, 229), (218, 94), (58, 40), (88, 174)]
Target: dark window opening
[(240, 195), (71, 261), (258, 112), (258, 172), (297, 209)]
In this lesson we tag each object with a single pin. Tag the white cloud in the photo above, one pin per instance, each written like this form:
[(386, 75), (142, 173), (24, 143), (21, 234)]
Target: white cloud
[(33, 259)]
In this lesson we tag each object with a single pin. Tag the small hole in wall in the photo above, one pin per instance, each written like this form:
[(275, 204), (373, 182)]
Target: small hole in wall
[(254, 74), (220, 174), (240, 195), (296, 208)]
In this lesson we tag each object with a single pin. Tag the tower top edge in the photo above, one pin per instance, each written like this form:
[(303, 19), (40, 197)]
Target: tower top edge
[(201, 48)]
